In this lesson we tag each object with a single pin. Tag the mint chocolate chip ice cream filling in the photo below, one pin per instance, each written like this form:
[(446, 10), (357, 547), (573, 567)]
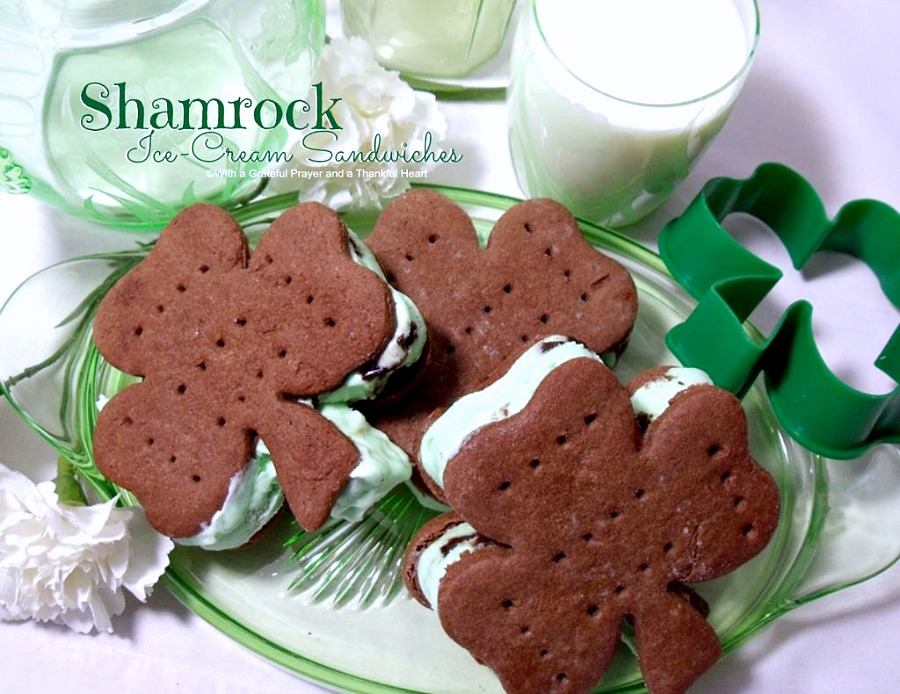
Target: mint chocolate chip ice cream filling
[(503, 398), (403, 349)]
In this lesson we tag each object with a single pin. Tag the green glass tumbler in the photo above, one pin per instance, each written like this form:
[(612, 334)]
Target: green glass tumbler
[(441, 38)]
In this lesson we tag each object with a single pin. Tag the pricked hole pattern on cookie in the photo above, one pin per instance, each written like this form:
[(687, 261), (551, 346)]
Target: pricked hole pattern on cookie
[(599, 282), (643, 421), (330, 322), (181, 389), (203, 269), (559, 557), (138, 331), (504, 485)]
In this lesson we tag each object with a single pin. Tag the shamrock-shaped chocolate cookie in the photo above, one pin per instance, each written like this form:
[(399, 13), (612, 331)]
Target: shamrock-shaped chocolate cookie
[(535, 276), (233, 349), (580, 506)]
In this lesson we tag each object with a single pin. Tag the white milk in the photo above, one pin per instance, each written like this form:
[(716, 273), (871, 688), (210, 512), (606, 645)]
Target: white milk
[(612, 101)]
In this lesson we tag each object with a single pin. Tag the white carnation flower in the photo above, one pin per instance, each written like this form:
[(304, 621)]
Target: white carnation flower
[(70, 564), (377, 111)]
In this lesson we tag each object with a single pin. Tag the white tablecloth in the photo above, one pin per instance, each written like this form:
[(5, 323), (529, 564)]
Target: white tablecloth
[(824, 98)]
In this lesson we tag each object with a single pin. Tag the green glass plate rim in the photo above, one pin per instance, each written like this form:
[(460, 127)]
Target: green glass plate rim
[(192, 596)]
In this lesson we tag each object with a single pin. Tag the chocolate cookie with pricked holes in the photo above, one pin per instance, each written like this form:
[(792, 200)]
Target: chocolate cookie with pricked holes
[(232, 348), (536, 276), (597, 514)]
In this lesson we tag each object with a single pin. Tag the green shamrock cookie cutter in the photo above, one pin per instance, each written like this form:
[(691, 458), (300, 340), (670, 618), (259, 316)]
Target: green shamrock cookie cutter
[(814, 406)]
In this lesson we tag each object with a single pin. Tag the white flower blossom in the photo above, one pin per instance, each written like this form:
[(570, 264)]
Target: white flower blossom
[(377, 111), (70, 564)]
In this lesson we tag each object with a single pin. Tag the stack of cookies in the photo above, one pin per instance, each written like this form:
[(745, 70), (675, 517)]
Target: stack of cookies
[(324, 372)]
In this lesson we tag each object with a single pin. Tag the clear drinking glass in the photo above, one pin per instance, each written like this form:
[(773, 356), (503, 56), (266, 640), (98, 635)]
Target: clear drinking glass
[(91, 95), (611, 102), (439, 38)]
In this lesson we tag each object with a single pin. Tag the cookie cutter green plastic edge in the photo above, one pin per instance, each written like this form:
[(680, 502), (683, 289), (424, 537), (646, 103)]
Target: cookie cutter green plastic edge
[(818, 409)]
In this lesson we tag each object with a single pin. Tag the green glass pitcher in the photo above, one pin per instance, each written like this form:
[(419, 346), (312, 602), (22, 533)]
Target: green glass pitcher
[(124, 111)]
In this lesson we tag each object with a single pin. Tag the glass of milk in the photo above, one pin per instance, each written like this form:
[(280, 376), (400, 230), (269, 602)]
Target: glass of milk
[(611, 102), (438, 38), (124, 111)]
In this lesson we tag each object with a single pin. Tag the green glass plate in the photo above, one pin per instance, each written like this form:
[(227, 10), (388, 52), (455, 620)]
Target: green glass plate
[(331, 607)]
